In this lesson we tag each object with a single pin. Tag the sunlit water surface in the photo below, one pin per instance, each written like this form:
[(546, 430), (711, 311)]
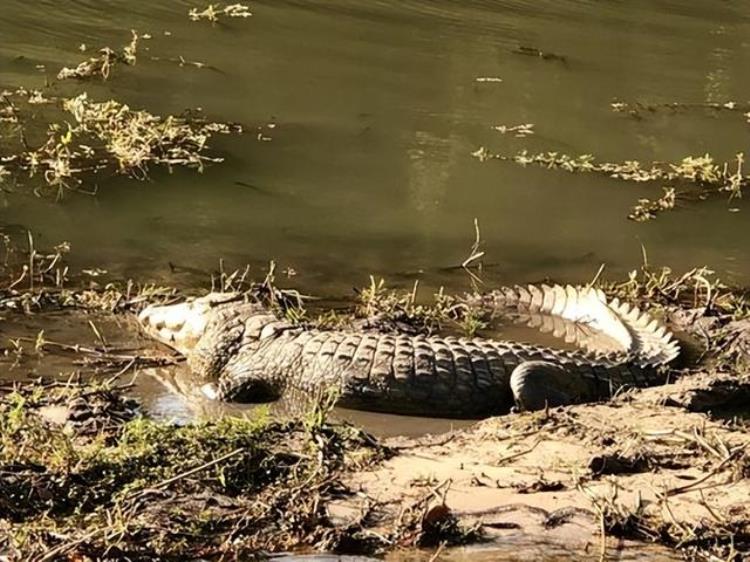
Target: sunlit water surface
[(376, 110)]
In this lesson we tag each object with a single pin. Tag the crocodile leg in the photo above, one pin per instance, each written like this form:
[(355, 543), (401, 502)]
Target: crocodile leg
[(540, 384)]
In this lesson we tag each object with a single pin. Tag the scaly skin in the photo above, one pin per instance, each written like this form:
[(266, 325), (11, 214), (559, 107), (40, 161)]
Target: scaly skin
[(245, 353)]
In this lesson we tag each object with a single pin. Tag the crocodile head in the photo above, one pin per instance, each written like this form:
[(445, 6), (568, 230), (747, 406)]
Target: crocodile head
[(210, 331), (181, 326)]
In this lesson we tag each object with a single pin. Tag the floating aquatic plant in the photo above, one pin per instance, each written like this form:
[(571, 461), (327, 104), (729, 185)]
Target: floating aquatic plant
[(87, 137), (213, 12), (702, 174), (518, 131), (135, 138), (102, 65), (699, 176), (638, 109), (647, 209)]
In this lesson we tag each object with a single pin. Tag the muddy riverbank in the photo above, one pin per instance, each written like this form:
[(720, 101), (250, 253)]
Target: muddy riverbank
[(84, 476), (86, 472)]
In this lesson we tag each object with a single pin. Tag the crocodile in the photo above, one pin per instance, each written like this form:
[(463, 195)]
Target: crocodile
[(241, 350)]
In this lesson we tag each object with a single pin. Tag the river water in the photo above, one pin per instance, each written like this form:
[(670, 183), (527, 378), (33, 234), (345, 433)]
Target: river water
[(376, 109)]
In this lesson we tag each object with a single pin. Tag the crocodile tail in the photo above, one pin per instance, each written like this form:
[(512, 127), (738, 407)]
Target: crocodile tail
[(654, 343), (583, 316)]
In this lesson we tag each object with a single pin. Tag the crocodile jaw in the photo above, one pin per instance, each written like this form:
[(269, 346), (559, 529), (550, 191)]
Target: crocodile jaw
[(180, 326)]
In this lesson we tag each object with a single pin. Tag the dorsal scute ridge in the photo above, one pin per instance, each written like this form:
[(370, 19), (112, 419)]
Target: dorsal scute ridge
[(639, 337), (583, 306), (654, 344)]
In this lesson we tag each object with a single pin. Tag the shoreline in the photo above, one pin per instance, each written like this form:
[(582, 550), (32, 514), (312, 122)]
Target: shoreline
[(597, 481), (86, 476)]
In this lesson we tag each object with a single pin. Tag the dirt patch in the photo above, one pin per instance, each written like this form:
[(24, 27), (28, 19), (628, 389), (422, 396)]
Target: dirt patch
[(588, 476), (84, 474)]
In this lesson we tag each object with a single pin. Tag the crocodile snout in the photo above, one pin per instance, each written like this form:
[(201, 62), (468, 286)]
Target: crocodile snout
[(179, 326)]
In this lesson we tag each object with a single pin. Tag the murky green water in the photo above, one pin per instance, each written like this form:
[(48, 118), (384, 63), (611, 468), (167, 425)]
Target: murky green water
[(377, 109)]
